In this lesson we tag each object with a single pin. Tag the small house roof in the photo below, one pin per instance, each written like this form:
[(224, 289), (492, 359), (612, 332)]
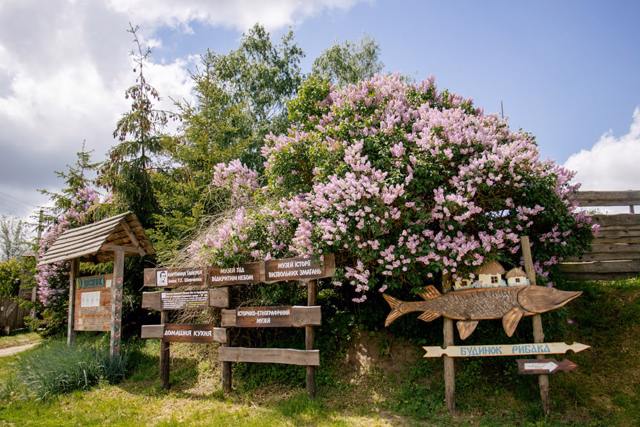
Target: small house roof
[(98, 240), (491, 267), (515, 272)]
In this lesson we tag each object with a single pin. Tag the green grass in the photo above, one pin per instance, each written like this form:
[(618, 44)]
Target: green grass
[(395, 387), (17, 339)]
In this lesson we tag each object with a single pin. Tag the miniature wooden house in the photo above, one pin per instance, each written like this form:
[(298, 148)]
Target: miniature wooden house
[(516, 277), (490, 275)]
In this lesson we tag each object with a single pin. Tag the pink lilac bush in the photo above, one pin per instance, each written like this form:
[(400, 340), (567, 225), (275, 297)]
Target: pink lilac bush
[(404, 183), (52, 279)]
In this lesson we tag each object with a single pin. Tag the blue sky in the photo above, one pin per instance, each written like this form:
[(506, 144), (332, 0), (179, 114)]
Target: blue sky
[(567, 71)]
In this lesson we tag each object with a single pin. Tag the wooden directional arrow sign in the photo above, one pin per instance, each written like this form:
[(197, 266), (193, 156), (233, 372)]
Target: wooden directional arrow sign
[(504, 349), (544, 366)]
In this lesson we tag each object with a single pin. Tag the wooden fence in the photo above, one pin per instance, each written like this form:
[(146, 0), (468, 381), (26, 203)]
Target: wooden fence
[(615, 250), (11, 313)]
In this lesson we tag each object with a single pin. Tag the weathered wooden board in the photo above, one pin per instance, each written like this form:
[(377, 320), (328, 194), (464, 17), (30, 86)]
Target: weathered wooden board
[(624, 220), (302, 268), (614, 248), (92, 309), (98, 281), (245, 274), (604, 256), (272, 317), (544, 366), (602, 267), (172, 277), (181, 300), (270, 355), (504, 349), (471, 305), (192, 333), (607, 198)]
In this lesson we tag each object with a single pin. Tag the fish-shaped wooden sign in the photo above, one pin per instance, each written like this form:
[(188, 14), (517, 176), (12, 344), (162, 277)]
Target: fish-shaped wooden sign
[(472, 305)]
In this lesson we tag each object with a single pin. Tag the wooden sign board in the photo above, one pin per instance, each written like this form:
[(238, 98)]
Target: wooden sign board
[(181, 300), (504, 349), (285, 356), (92, 309), (245, 274), (544, 366), (173, 277), (98, 281), (302, 268), (272, 317), (192, 333)]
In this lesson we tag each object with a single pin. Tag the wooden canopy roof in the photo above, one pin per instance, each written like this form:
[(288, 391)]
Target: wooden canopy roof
[(97, 241)]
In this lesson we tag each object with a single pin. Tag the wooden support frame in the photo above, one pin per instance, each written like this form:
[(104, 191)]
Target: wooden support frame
[(449, 365), (312, 294), (116, 303), (165, 355), (71, 333), (538, 332)]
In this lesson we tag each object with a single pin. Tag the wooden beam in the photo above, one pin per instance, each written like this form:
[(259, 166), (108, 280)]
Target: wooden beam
[(73, 272), (312, 292), (601, 267), (607, 198), (131, 235), (538, 332), (270, 355), (127, 249), (616, 220), (604, 256), (271, 317), (116, 303), (449, 365)]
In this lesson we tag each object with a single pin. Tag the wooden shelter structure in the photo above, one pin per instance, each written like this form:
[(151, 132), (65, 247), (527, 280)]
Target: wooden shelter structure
[(615, 249), (107, 240)]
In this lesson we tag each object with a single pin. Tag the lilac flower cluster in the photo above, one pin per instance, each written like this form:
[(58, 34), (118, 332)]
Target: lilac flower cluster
[(407, 183), (239, 179), (51, 279)]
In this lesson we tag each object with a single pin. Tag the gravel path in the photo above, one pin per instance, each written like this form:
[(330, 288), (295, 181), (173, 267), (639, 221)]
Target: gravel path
[(10, 351)]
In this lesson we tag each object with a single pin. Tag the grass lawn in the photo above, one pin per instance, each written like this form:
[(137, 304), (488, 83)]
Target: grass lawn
[(383, 381)]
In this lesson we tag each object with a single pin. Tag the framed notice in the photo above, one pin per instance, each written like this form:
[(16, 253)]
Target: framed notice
[(92, 309)]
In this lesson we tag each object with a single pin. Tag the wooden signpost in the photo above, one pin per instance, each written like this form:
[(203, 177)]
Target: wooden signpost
[(544, 366), (503, 349), (305, 270), (213, 289), (509, 302), (92, 303), (174, 277), (272, 317)]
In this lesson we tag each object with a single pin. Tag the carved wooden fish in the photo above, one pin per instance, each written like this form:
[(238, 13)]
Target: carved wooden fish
[(471, 305)]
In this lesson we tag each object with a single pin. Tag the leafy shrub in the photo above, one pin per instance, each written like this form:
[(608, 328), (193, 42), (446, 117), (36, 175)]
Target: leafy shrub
[(403, 182), (54, 368)]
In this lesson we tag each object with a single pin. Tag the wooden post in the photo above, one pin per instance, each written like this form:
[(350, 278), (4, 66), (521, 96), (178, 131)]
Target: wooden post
[(73, 272), (312, 293), (227, 379), (632, 209), (449, 367), (538, 333), (34, 290), (165, 354), (116, 303)]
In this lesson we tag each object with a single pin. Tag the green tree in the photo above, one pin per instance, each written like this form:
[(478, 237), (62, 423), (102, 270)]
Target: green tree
[(126, 173), (13, 237), (349, 62)]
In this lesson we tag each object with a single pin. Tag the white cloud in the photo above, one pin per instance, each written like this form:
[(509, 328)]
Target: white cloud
[(613, 163), (238, 14), (64, 67)]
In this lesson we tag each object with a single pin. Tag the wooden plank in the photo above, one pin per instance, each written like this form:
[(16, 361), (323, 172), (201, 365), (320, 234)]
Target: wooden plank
[(604, 256), (270, 355), (614, 248), (174, 277), (116, 304), (301, 268), (179, 332), (599, 276), (219, 297), (312, 292), (538, 333), (601, 267), (607, 198), (71, 335), (629, 240), (272, 317), (544, 366), (613, 220), (493, 350), (245, 274), (606, 233)]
